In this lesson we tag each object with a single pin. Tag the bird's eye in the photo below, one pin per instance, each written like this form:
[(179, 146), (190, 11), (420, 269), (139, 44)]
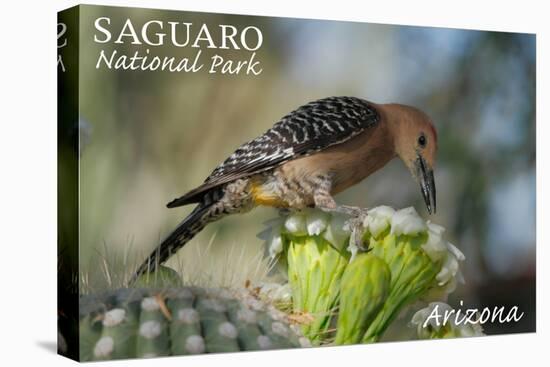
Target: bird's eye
[(422, 141)]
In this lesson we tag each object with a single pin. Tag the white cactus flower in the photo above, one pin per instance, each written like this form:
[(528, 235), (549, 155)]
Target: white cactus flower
[(435, 260), (435, 247), (316, 222), (455, 251), (378, 219), (336, 232), (440, 293), (450, 270), (407, 221), (272, 226), (275, 245), (296, 224), (424, 321), (272, 236)]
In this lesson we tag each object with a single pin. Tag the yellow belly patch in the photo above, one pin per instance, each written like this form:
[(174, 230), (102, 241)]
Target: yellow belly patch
[(265, 198)]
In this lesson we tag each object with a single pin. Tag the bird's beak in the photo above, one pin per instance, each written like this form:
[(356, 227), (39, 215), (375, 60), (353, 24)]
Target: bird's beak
[(425, 177)]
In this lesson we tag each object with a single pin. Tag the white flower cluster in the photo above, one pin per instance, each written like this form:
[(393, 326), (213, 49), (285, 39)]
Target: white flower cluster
[(309, 222), (378, 219), (430, 321), (333, 228), (438, 249), (408, 222), (272, 236), (401, 222)]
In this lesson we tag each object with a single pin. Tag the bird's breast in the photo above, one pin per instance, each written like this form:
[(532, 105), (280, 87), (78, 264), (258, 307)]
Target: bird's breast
[(294, 183), (347, 164)]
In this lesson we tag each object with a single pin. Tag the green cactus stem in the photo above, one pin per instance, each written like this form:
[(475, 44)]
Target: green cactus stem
[(364, 289), (314, 271), (129, 323), (412, 274), (331, 279)]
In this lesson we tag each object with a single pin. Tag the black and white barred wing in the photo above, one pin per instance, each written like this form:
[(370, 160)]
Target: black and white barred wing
[(306, 130)]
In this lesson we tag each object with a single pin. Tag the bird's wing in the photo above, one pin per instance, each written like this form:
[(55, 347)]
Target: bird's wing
[(306, 130)]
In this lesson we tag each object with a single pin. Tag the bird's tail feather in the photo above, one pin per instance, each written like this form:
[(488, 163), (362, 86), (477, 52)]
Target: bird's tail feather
[(186, 230)]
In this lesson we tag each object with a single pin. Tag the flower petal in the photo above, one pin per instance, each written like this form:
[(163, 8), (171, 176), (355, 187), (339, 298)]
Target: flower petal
[(408, 222), (296, 224), (316, 222), (378, 219)]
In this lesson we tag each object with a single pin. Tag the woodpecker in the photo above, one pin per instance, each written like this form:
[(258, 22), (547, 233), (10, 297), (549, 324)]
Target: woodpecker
[(316, 151)]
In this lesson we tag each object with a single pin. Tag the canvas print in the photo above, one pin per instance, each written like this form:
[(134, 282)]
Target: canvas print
[(235, 183)]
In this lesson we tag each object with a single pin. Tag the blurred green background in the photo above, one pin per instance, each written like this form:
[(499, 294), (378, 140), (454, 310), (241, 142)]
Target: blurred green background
[(148, 137)]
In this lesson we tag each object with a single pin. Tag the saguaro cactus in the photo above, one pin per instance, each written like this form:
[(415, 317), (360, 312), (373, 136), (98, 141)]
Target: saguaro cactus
[(312, 245), (147, 323), (360, 293)]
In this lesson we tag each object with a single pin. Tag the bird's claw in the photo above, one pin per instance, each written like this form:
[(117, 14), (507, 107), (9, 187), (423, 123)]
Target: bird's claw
[(352, 211), (357, 228), (355, 225)]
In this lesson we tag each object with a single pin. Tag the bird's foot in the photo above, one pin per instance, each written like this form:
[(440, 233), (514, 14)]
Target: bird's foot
[(355, 224)]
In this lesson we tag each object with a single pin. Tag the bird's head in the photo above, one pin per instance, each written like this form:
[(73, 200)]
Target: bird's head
[(415, 140)]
